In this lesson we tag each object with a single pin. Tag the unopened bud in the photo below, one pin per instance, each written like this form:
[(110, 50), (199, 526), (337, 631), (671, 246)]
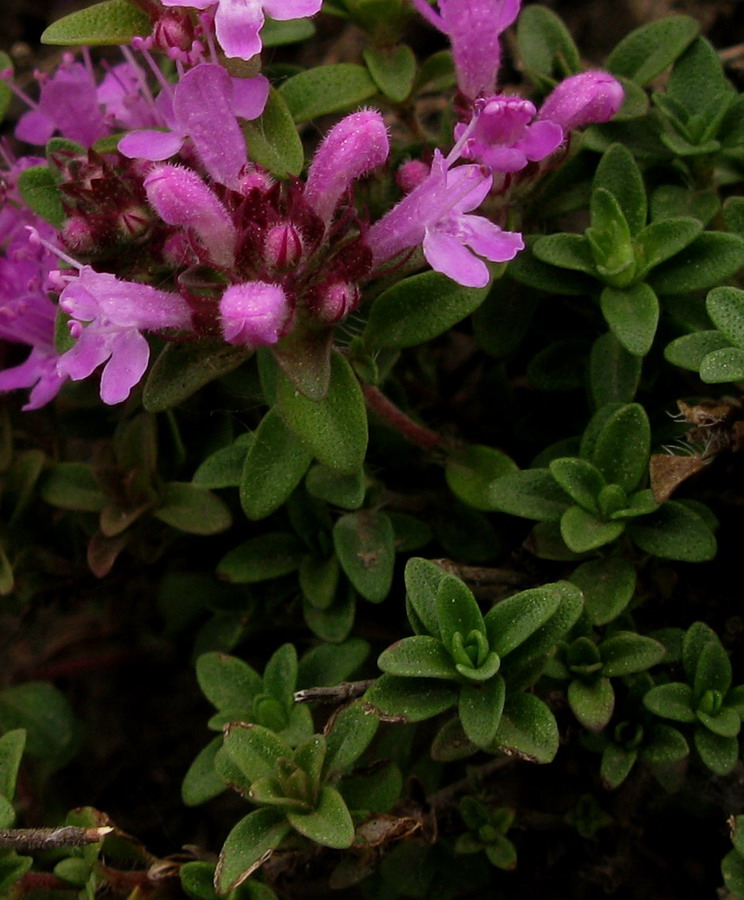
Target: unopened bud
[(283, 246), (254, 314), (411, 174), (583, 99), (335, 301), (173, 30), (79, 236), (133, 222)]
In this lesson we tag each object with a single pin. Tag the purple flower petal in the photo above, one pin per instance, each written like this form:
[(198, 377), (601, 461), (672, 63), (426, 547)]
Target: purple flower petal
[(583, 99), (291, 9), (35, 127), (85, 356), (249, 96), (194, 4), (130, 354), (238, 23), (541, 139), (203, 107), (148, 144), (446, 254), (488, 240)]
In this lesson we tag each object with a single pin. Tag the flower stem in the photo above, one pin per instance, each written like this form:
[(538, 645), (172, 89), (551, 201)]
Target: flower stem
[(398, 420)]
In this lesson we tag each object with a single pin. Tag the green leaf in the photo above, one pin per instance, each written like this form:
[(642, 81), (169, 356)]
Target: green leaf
[(581, 480), (470, 472), (622, 445), (377, 789), (633, 314), (292, 31), (732, 870), (268, 556), (337, 488), (319, 580), (531, 493), (671, 201), (12, 868), (71, 485), (6, 97), (712, 670), (227, 682), (248, 846), (409, 700), (723, 365), (618, 173), (348, 735), (273, 467), (591, 702), (113, 22), (671, 701), (665, 745), (393, 70), (365, 545), (725, 723), (527, 729), (674, 532), (480, 707), (37, 186), (546, 48), (566, 251), (417, 309), (711, 258), (12, 745), (329, 824), (184, 367), (690, 350), (512, 621), (457, 611), (421, 656), (616, 765), (305, 358), (201, 782), (254, 749), (272, 139), (223, 467), (330, 664), (189, 508), (614, 373), (608, 586), (583, 531), (280, 675), (326, 89), (695, 639), (527, 269), (652, 48), (423, 579), (662, 240), (626, 652), (332, 623), (697, 78), (725, 307), (44, 712), (718, 753), (335, 428)]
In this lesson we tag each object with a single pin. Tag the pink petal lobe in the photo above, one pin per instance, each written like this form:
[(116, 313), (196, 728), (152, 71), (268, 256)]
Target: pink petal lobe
[(238, 23), (291, 9), (149, 144), (249, 96), (489, 240), (447, 255), (130, 354)]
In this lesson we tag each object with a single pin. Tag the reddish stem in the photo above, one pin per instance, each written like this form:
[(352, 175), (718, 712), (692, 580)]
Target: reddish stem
[(397, 419)]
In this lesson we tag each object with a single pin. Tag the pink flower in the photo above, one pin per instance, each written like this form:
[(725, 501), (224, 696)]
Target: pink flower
[(354, 146), (254, 314), (582, 100), (504, 136), (238, 22), (205, 104), (434, 214), (108, 317), (474, 28)]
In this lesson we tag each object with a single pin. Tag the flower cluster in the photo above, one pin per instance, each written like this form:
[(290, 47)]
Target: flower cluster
[(180, 233)]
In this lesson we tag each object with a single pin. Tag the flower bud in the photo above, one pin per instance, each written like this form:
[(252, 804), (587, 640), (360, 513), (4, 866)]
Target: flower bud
[(79, 236), (335, 301), (254, 314), (353, 147), (173, 30), (411, 174), (180, 197), (283, 246), (582, 100)]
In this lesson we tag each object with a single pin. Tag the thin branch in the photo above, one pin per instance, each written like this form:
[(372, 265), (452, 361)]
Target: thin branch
[(340, 693), (47, 838), (483, 577)]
